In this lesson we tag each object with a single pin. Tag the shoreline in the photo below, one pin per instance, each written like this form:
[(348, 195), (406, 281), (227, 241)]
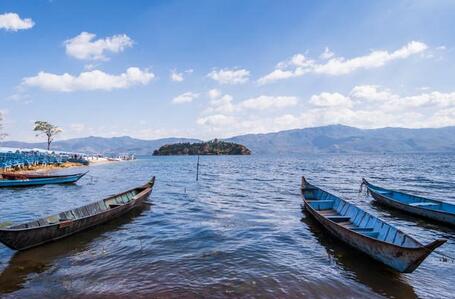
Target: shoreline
[(44, 168), (52, 167)]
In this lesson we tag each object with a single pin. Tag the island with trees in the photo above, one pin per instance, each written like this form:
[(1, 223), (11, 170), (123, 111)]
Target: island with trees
[(213, 147)]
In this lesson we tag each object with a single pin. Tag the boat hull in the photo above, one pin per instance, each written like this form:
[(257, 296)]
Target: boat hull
[(429, 214), (42, 181), (25, 239), (404, 260)]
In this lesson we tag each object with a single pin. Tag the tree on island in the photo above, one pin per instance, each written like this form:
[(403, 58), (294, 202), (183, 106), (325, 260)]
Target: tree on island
[(45, 128), (2, 135)]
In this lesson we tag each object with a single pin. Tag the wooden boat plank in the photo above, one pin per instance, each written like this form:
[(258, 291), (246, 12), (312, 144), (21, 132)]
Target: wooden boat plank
[(423, 207), (37, 232), (367, 233), (64, 179)]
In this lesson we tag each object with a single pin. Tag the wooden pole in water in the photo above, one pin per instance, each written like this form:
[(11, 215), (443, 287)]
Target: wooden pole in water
[(197, 169)]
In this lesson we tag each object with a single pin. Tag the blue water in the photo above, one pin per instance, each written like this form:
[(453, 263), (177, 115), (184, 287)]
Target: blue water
[(237, 232)]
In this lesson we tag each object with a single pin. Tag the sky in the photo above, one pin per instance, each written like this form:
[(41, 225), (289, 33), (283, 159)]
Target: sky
[(206, 69)]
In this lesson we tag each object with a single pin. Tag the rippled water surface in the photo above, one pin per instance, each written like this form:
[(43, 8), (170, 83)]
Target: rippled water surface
[(237, 232)]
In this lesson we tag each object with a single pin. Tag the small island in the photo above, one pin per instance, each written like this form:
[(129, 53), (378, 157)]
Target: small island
[(213, 147)]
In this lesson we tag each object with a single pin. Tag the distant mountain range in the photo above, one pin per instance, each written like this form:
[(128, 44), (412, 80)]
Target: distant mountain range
[(102, 145), (344, 139), (326, 139)]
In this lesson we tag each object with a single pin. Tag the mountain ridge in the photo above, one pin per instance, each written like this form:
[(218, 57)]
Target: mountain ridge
[(323, 139)]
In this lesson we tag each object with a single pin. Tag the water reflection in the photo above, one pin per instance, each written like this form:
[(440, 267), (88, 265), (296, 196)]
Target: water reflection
[(361, 267), (42, 258)]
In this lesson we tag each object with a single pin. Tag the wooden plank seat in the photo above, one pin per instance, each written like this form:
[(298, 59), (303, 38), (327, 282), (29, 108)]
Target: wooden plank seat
[(347, 224), (423, 204), (360, 229), (338, 218), (328, 213)]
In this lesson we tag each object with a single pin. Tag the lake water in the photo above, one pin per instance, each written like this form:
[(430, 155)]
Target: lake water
[(237, 232)]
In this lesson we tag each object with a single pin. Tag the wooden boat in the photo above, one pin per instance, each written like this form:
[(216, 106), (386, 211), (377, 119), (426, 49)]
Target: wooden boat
[(24, 180), (365, 232), (37, 232), (428, 208)]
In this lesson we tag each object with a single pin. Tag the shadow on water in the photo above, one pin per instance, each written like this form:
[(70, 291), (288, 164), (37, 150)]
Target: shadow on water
[(363, 268), (39, 259)]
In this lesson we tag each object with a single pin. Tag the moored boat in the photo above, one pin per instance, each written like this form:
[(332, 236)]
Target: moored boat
[(428, 208), (25, 180), (40, 231), (365, 232)]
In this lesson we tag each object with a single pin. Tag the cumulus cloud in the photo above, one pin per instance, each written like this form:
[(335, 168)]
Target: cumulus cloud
[(230, 76), (214, 93), (12, 22), (84, 47), (179, 76), (364, 106), (326, 99), (186, 97), (327, 54), (91, 80), (216, 120), (221, 104), (175, 76), (372, 106), (299, 64), (266, 102), (223, 117)]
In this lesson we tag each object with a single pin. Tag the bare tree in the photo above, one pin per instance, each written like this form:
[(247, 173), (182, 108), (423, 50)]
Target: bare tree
[(45, 128)]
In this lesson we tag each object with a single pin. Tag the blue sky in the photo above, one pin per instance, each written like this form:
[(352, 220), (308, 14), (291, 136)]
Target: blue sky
[(206, 69)]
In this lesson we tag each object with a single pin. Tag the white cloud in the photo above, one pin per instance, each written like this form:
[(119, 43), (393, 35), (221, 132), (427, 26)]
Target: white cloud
[(175, 76), (91, 80), (214, 93), (216, 120), (276, 75), (179, 76), (364, 106), (230, 76), (186, 97), (221, 104), (371, 93), (371, 106), (326, 99), (266, 102), (327, 54), (13, 22), (84, 47), (300, 65)]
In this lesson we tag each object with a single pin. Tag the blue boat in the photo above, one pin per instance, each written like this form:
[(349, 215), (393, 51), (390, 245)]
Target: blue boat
[(365, 232), (40, 231), (428, 208), (41, 180)]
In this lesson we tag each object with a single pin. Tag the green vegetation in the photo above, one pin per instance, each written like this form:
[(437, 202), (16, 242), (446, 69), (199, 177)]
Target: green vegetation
[(45, 128), (214, 147)]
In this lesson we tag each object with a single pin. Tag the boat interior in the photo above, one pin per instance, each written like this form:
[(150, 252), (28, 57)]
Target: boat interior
[(82, 212), (415, 201), (355, 219)]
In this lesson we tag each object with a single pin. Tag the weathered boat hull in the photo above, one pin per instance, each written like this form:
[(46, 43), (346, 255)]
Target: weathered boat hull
[(435, 215), (21, 239), (67, 179), (408, 260), (400, 258)]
